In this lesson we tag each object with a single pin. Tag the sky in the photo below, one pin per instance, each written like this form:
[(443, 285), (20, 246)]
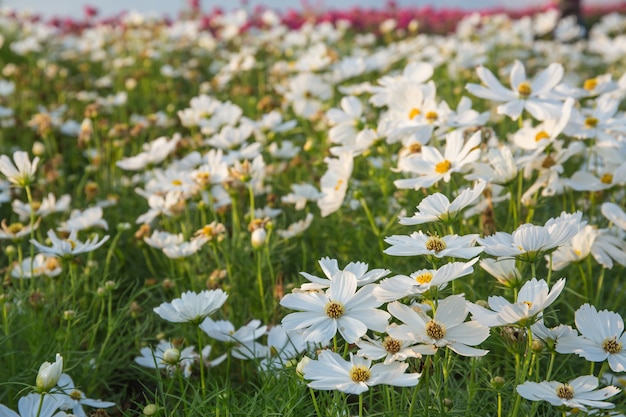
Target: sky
[(74, 8)]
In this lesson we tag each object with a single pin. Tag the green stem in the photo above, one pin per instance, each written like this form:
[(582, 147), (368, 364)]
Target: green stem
[(40, 404), (315, 405), (259, 279), (360, 405), (200, 347)]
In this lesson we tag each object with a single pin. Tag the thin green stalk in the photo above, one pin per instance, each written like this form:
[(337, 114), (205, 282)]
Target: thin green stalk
[(40, 404), (361, 405), (259, 279), (315, 405), (200, 347)]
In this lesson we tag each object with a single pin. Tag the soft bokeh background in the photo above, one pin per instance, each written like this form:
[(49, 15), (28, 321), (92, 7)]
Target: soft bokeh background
[(74, 8)]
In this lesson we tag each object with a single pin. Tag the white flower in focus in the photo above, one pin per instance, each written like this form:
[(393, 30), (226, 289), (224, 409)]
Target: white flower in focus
[(244, 337), (533, 298), (418, 243), (431, 166), (601, 337), (49, 374), (389, 348), (418, 282), (500, 169), (70, 245), (341, 308), (21, 171), (551, 336), (330, 268), (447, 328), (437, 207), (192, 307), (331, 372), (502, 269), (524, 94), (578, 393), (529, 241)]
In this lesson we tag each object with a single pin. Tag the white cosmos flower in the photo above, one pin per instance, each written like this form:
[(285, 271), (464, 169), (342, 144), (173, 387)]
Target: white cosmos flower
[(529, 241), (418, 282), (334, 183), (74, 399), (70, 245), (418, 243), (602, 244), (153, 153), (447, 328), (21, 171), (331, 372), (330, 268), (501, 167), (161, 239), (297, 228), (389, 348), (85, 219), (184, 249), (48, 205), (34, 267), (437, 207), (282, 347), (551, 335), (431, 166), (524, 94), (301, 194), (502, 269), (601, 337), (32, 405), (578, 393), (614, 214), (341, 308), (192, 307), (533, 298), (49, 374)]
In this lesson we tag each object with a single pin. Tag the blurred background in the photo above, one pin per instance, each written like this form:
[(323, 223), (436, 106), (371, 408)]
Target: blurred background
[(74, 8)]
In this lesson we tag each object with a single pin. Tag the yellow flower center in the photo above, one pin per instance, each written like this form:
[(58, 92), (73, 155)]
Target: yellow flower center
[(424, 278), (548, 163), (591, 122), (524, 89), (334, 309), (36, 205), (612, 345), (435, 330), (434, 243), (443, 167), (76, 395), (52, 264), (541, 135), (391, 345), (360, 373), (565, 391), (71, 242), (177, 182), (338, 185), (414, 112), (15, 228), (528, 304), (590, 84), (431, 117), (607, 178)]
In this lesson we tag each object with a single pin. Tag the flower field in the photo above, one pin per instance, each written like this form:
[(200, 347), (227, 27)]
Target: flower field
[(359, 213)]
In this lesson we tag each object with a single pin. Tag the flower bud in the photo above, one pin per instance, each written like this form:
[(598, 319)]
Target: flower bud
[(258, 238), (49, 374), (171, 356), (150, 410), (301, 364)]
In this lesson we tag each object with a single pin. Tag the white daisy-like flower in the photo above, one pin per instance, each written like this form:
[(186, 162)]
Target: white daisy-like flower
[(331, 372), (41, 264), (389, 348), (48, 205), (334, 183), (184, 249), (330, 268), (447, 328), (21, 171), (551, 335), (502, 269), (533, 298), (33, 405), (161, 239), (578, 393), (530, 241), (282, 347), (70, 245), (437, 207), (301, 194), (297, 228), (615, 214), (524, 94), (192, 307), (418, 243), (418, 282), (340, 308), (431, 166), (153, 153), (601, 337), (74, 399), (85, 219)]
